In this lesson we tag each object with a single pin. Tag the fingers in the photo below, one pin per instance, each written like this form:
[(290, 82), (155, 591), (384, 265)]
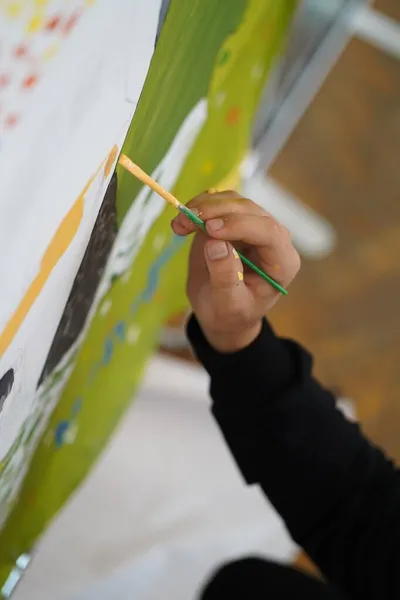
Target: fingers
[(224, 265), (209, 206), (271, 241)]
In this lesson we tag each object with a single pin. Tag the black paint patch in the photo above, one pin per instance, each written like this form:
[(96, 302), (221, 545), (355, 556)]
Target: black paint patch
[(88, 278), (6, 385)]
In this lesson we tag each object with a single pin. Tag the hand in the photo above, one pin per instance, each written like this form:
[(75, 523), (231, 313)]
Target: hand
[(228, 300)]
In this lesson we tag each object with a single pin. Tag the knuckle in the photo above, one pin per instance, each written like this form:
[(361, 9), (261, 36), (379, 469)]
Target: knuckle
[(225, 279), (296, 261)]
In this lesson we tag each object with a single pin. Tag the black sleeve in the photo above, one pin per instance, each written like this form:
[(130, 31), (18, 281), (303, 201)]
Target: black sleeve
[(338, 494)]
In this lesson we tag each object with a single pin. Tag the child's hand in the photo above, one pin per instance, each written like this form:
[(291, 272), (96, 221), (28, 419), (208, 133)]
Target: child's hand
[(229, 301)]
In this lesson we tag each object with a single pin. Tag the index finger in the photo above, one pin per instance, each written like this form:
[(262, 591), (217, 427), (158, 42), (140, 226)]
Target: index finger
[(208, 206)]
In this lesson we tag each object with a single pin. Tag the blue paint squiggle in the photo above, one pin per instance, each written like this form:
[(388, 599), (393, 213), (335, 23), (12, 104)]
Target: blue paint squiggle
[(154, 274), (64, 425), (118, 332)]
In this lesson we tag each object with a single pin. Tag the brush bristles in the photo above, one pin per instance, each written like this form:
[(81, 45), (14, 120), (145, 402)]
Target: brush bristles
[(135, 170)]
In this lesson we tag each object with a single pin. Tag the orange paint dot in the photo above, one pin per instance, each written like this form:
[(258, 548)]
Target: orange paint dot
[(53, 23), (31, 497), (11, 120), (207, 167), (29, 81), (21, 51), (266, 33), (4, 80), (70, 24), (233, 115)]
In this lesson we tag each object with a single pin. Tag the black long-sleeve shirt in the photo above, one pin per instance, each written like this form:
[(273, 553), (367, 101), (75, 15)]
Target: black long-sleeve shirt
[(338, 494)]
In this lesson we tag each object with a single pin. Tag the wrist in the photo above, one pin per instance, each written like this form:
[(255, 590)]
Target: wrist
[(232, 341)]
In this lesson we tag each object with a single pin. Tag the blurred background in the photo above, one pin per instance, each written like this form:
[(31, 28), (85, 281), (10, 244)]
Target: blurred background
[(325, 161)]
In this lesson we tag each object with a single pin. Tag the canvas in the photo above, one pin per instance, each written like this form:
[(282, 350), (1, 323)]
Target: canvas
[(95, 277)]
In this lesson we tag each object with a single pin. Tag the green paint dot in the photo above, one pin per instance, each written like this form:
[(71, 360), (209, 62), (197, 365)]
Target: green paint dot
[(224, 56)]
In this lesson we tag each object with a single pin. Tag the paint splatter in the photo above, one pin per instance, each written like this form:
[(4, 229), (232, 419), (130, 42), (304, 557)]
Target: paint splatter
[(11, 121), (133, 334), (224, 56), (21, 51), (110, 161), (108, 351), (4, 80), (207, 167), (51, 51), (71, 22), (120, 330), (220, 98), (53, 23), (240, 275), (105, 307), (233, 115), (257, 71), (14, 10), (235, 254), (30, 81), (35, 24)]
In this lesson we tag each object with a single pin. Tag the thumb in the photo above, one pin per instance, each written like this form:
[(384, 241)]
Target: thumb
[(224, 265)]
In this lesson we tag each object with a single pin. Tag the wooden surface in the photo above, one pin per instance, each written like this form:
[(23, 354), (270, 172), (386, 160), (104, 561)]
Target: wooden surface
[(343, 160), (390, 8)]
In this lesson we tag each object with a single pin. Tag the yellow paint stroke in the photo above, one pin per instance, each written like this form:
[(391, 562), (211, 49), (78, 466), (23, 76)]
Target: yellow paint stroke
[(110, 161), (14, 10), (55, 250), (207, 167), (51, 51), (240, 276), (35, 23)]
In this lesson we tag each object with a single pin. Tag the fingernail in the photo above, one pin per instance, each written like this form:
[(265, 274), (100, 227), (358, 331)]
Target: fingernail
[(215, 224), (217, 250)]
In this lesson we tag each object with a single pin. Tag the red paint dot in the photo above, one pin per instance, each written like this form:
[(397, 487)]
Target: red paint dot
[(71, 22), (21, 51), (11, 120), (29, 81), (53, 23), (4, 80), (233, 115)]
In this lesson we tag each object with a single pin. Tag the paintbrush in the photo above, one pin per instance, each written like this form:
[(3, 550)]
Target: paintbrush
[(130, 166)]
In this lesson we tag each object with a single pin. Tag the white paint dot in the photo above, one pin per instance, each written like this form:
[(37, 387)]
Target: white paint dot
[(220, 99), (158, 242), (70, 434), (105, 307), (257, 71), (133, 334), (126, 276)]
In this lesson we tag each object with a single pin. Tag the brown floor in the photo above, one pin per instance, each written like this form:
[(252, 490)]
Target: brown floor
[(343, 159), (390, 8)]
